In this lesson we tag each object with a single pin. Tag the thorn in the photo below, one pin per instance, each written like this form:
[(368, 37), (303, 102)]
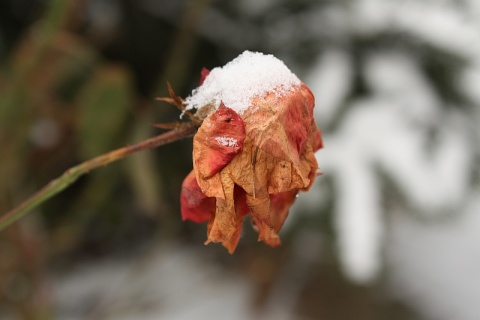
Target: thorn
[(179, 103), (168, 100)]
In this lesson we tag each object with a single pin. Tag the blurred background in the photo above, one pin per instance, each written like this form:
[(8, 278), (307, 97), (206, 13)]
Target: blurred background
[(389, 231)]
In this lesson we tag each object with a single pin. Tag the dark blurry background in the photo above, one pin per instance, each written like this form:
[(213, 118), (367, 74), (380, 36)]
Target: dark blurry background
[(390, 231)]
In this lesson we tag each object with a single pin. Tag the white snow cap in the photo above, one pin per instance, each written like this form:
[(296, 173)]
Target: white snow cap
[(250, 75)]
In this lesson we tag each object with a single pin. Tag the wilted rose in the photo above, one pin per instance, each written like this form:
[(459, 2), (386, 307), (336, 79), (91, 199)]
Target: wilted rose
[(254, 163)]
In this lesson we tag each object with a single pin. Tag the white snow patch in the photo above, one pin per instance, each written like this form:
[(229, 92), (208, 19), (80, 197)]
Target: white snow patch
[(330, 80), (227, 141), (434, 266), (250, 75), (389, 132), (170, 282), (438, 23)]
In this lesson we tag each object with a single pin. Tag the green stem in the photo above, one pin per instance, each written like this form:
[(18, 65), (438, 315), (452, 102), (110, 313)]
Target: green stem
[(72, 174)]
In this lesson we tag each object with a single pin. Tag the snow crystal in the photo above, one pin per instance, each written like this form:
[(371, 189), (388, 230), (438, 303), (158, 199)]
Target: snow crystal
[(250, 75), (227, 141)]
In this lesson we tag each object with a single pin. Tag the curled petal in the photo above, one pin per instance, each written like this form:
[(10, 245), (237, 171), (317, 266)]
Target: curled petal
[(241, 210), (225, 226), (195, 205), (217, 141)]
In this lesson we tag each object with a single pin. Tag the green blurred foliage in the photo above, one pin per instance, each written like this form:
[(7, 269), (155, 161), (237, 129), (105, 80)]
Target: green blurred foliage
[(103, 107), (62, 101)]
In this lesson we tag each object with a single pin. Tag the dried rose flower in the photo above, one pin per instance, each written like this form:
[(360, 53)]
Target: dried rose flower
[(254, 150)]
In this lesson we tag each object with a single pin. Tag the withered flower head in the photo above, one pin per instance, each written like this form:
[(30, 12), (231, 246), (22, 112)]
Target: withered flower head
[(254, 150)]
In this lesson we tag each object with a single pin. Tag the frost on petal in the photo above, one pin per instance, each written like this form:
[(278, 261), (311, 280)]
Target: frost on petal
[(196, 206)]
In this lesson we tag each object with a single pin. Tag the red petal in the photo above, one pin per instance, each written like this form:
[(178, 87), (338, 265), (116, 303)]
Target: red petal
[(203, 74), (195, 206), (219, 139)]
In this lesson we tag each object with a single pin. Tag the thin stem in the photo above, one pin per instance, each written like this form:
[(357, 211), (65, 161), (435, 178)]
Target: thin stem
[(72, 174)]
